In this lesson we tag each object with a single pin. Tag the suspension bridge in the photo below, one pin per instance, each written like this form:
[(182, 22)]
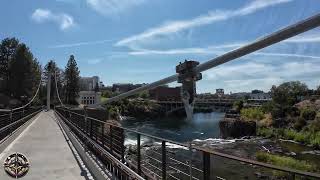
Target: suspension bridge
[(67, 144)]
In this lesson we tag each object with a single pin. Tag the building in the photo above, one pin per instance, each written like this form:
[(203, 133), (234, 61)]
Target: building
[(88, 83), (89, 97), (219, 92), (260, 96), (125, 87), (257, 96), (164, 93), (87, 94)]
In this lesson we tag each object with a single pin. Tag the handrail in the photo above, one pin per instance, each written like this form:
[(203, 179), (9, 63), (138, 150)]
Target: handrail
[(278, 36), (232, 157), (103, 150), (13, 123)]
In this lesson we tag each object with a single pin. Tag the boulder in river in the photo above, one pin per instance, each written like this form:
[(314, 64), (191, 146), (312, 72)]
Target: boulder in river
[(235, 128)]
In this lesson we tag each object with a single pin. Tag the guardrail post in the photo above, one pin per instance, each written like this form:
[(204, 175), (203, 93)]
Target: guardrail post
[(138, 154), (293, 175), (111, 139), (91, 122), (102, 135), (206, 165), (86, 120), (164, 160), (11, 121)]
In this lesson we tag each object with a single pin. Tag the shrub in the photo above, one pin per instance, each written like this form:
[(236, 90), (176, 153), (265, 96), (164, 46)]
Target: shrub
[(299, 124), (315, 139), (314, 126), (289, 134), (267, 121), (252, 114), (268, 107), (238, 105), (265, 132), (308, 113)]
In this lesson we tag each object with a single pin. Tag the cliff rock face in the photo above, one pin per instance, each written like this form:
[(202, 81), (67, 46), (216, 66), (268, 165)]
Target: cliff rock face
[(235, 128)]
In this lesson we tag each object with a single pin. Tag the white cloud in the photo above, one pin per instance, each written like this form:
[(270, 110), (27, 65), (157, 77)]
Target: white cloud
[(111, 7), (195, 50), (80, 44), (211, 17), (64, 21), (286, 55), (309, 38), (217, 50), (250, 75)]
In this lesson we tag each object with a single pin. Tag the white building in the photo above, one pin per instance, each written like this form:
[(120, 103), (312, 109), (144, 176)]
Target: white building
[(89, 83), (89, 97), (87, 94)]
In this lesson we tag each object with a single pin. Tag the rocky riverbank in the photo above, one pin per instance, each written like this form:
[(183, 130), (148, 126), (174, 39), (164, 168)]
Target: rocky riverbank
[(222, 167)]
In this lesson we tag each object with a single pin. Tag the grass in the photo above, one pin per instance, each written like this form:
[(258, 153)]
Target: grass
[(310, 138), (284, 161)]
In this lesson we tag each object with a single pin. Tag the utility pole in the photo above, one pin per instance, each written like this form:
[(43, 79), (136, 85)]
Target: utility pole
[(48, 90)]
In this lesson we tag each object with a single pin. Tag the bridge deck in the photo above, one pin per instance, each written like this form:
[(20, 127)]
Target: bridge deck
[(50, 156)]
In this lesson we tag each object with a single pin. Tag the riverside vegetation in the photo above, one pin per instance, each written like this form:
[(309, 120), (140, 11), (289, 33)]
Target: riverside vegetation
[(293, 114)]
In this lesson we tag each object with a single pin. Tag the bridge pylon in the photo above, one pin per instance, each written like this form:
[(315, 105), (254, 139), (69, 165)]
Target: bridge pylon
[(188, 77), (48, 91)]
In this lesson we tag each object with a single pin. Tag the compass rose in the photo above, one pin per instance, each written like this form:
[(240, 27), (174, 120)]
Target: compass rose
[(16, 165)]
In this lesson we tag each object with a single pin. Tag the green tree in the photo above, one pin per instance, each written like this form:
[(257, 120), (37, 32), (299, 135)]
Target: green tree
[(23, 73), (8, 49), (72, 81), (52, 68), (238, 105), (285, 96), (289, 93), (106, 93)]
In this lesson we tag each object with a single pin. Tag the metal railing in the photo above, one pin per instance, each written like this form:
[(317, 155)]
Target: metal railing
[(11, 120), (160, 160)]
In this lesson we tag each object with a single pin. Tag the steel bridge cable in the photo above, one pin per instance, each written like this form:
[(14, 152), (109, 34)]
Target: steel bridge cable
[(35, 93), (278, 36), (21, 107), (57, 91)]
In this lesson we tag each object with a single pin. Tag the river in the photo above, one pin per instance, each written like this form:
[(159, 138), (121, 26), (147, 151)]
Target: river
[(203, 130), (203, 126)]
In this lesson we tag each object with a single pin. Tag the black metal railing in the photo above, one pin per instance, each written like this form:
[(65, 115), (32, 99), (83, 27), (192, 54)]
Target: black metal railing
[(10, 120), (164, 159)]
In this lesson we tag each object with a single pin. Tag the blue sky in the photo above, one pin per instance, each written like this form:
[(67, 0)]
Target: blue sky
[(140, 41)]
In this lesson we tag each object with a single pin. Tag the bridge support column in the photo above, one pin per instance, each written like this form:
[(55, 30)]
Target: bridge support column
[(48, 90), (188, 77)]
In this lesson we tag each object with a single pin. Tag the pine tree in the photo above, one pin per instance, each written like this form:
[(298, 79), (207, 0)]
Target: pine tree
[(22, 73), (52, 68), (72, 81), (8, 48)]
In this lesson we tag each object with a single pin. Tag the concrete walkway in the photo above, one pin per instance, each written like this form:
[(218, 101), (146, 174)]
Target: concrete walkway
[(48, 152)]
